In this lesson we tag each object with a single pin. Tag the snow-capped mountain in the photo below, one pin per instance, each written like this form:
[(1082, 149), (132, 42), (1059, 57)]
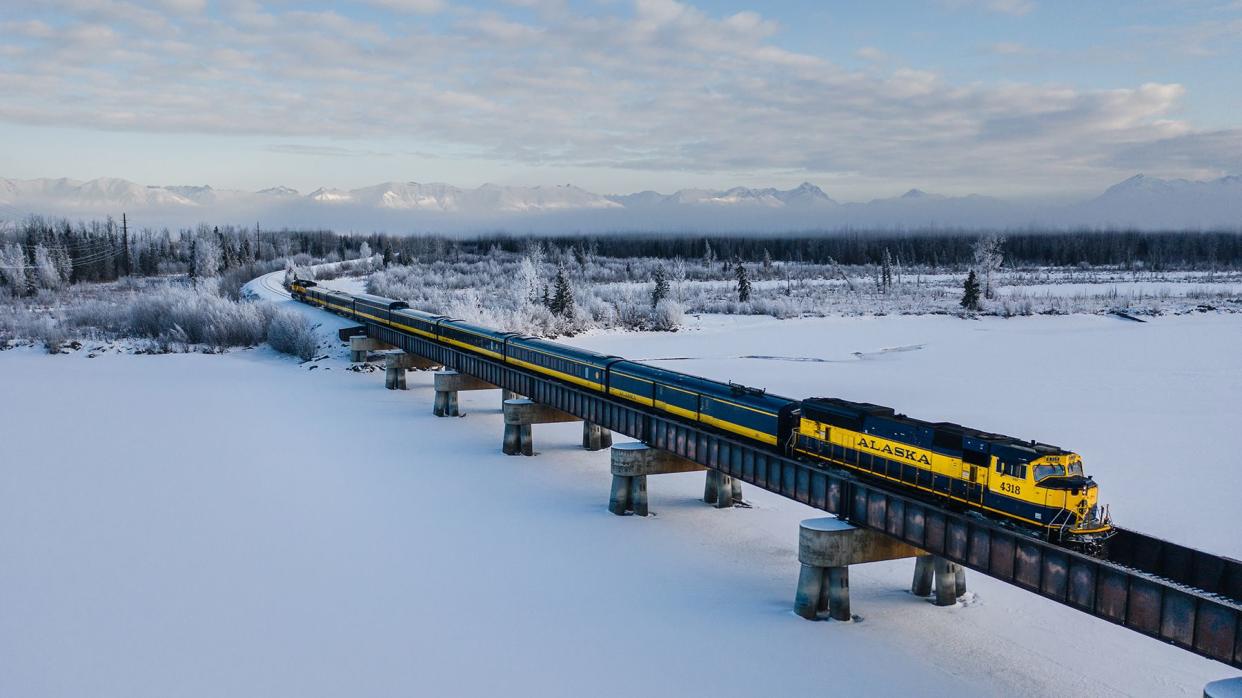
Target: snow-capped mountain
[(1150, 202), (805, 195), (1141, 202)]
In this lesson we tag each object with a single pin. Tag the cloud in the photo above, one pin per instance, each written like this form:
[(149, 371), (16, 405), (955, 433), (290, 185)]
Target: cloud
[(656, 85), (320, 150), (1016, 8), (422, 7), (1008, 48), (872, 54), (1196, 155)]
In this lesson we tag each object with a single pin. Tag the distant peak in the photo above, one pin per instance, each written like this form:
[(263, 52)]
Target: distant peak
[(279, 191), (914, 194)]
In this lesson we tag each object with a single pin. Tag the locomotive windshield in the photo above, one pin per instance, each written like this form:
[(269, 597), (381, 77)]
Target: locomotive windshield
[(1045, 471), (1056, 470)]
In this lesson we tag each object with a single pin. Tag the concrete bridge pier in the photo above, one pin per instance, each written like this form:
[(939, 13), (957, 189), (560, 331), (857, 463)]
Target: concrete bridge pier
[(595, 437), (946, 579), (826, 549), (395, 366), (722, 490), (360, 346), (448, 383), (520, 414), (632, 462)]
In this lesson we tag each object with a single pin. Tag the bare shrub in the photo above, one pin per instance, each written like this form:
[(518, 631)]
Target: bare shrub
[(291, 333)]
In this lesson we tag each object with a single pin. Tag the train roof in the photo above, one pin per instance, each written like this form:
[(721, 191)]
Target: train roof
[(730, 391), (420, 314), (570, 351), (819, 406), (381, 301), (474, 329)]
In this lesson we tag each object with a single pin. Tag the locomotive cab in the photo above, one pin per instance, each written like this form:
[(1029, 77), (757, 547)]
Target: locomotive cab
[(1062, 498)]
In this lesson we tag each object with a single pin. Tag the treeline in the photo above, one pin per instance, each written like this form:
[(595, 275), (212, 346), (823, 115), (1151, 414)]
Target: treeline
[(39, 253), (47, 254), (1155, 251)]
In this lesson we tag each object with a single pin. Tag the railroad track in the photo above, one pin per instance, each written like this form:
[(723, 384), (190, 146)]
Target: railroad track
[(1176, 594)]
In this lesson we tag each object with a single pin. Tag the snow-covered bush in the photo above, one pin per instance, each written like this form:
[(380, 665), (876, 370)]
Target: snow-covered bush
[(199, 318), (668, 315), (291, 333)]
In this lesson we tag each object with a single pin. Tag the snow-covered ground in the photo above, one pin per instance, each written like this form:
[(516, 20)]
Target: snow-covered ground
[(241, 524)]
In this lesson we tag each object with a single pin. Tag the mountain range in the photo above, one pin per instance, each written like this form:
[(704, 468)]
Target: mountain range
[(1141, 202)]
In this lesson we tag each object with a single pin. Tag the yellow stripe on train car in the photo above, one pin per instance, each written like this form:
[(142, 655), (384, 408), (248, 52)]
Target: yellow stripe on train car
[(415, 330), (738, 429), (472, 347), (674, 409), (553, 372), (632, 397)]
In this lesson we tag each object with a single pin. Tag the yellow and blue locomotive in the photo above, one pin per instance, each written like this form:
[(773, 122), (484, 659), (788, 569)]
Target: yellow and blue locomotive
[(1038, 487)]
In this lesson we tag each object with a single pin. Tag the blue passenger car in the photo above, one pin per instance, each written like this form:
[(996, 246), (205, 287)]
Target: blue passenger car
[(580, 366), (376, 308), (473, 338), (418, 322)]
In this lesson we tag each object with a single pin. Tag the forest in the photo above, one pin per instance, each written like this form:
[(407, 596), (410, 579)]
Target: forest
[(183, 289)]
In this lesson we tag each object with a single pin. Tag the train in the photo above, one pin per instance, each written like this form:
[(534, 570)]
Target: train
[(1035, 487)]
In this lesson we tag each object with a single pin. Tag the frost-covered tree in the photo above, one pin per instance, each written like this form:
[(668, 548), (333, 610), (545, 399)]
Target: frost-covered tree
[(13, 267), (970, 292), (678, 278), (364, 251), (660, 291), (743, 283), (767, 259), (886, 272), (206, 261), (45, 271), (989, 254), (709, 255), (527, 279)]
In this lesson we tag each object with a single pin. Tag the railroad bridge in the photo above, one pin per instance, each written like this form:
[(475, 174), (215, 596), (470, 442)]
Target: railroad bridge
[(1176, 594)]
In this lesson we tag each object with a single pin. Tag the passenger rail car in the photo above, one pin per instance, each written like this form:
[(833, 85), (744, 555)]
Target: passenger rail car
[(1039, 487)]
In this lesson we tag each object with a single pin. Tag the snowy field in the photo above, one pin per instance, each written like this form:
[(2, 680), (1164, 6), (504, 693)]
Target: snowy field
[(242, 525)]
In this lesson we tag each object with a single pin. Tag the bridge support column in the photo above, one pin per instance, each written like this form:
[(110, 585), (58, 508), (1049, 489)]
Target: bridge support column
[(520, 414), (924, 570), (826, 548), (360, 346), (632, 462), (722, 490), (595, 437), (395, 366), (448, 383), (950, 580)]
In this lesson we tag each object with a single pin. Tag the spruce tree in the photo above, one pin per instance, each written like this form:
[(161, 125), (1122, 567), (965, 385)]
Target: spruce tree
[(743, 284), (970, 292), (660, 292), (562, 295)]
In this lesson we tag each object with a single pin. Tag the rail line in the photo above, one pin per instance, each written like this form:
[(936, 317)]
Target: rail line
[(1179, 595)]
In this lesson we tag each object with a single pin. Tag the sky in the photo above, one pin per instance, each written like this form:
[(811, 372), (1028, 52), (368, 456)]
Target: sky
[(1011, 98)]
